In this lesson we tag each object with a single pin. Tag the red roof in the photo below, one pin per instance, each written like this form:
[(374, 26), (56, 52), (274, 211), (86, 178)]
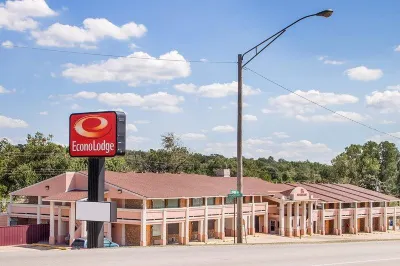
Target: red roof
[(68, 196)]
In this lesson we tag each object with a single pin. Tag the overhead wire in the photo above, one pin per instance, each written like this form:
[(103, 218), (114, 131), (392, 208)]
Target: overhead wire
[(322, 106)]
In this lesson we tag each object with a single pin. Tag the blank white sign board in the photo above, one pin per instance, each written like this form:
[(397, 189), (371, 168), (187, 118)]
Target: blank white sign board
[(96, 211)]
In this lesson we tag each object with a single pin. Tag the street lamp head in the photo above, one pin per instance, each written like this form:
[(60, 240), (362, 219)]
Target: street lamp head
[(325, 13)]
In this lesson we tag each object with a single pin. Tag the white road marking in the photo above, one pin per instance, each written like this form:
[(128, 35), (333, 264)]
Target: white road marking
[(357, 262)]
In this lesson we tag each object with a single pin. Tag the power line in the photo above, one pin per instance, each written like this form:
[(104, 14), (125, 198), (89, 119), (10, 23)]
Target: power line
[(320, 105), (118, 56)]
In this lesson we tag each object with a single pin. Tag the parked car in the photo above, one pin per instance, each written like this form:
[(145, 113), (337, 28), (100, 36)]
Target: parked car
[(82, 243)]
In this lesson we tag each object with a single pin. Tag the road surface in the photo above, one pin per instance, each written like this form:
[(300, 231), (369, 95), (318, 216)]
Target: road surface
[(367, 253)]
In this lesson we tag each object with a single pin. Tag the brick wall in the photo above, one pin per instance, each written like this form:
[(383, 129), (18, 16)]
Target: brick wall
[(132, 235), (133, 204)]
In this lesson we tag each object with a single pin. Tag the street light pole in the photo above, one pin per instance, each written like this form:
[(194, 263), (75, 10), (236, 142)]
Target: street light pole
[(239, 226)]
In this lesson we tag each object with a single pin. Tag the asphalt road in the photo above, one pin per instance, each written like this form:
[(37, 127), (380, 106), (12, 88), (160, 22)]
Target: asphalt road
[(367, 253)]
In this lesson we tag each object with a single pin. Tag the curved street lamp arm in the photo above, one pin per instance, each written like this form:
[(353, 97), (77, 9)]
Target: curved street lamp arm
[(275, 36)]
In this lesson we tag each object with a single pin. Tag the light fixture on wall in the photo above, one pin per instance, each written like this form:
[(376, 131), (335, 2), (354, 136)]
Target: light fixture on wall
[(47, 187), (119, 191)]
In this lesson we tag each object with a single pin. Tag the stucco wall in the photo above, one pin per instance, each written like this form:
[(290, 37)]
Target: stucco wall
[(116, 231)]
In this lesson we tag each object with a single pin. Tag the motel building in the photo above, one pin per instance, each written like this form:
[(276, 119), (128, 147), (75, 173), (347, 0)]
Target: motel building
[(162, 209)]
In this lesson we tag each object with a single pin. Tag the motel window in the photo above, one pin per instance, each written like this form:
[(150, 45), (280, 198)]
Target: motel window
[(210, 201), (197, 202), (158, 204), (173, 203), (229, 200), (156, 230)]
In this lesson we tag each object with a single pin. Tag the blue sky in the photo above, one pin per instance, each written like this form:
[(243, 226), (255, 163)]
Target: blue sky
[(348, 63)]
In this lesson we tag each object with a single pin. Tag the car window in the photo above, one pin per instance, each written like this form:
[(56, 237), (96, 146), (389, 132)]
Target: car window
[(78, 243), (106, 241)]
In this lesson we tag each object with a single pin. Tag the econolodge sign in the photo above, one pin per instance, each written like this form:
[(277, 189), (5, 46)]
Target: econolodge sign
[(99, 134)]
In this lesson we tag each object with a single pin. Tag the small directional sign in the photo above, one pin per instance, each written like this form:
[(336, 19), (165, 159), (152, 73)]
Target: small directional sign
[(235, 194)]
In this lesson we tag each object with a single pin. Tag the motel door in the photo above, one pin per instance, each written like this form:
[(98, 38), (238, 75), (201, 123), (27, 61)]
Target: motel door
[(272, 227)]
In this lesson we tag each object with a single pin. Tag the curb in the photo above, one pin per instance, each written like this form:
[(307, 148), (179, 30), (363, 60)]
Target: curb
[(49, 246)]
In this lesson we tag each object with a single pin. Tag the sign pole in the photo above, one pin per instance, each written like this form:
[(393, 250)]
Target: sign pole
[(234, 220), (95, 236)]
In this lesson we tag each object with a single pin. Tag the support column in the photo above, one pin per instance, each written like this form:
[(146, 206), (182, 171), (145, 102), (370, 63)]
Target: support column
[(281, 219), (205, 233), (253, 218), (223, 222), (123, 238), (187, 224), (395, 217), (72, 223), (181, 233), (201, 230), (109, 226), (323, 219), (355, 217), (143, 225), (9, 211), (339, 217), (385, 219), (296, 219), (218, 228), (289, 229), (370, 219), (310, 218), (303, 218), (164, 228), (60, 227), (52, 239), (38, 216), (84, 229), (265, 227)]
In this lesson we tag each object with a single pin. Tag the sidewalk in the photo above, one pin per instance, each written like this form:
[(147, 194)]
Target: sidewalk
[(274, 239)]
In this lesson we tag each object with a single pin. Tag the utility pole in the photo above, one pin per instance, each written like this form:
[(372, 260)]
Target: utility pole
[(239, 153)]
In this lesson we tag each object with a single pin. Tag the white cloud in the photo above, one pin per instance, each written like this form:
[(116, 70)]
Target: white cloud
[(363, 73), (133, 46), (88, 47), (113, 109), (258, 141), (385, 102), (281, 135), (397, 49), (333, 62), (53, 75), (85, 95), (134, 139), (4, 90), (132, 71), (263, 151), (217, 90), (250, 118), (337, 117), (7, 122), (303, 146), (75, 106), (291, 104), (381, 138), (224, 129), (193, 136), (186, 88), (387, 122), (44, 113), (394, 87), (224, 107), (243, 104), (160, 101), (7, 44), (93, 30), (141, 122), (204, 60), (18, 15), (131, 128)]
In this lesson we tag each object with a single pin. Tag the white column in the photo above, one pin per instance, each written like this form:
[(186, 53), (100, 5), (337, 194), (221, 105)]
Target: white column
[(266, 219), (340, 220), (355, 217), (60, 229), (223, 221), (281, 219), (218, 228), (395, 217), (205, 235), (164, 228), (187, 224), (253, 218), (38, 218), (201, 230), (385, 225), (303, 219), (123, 239), (109, 226), (52, 239), (181, 233), (296, 219), (72, 223), (323, 219), (370, 218), (289, 227), (143, 225), (83, 229), (9, 211)]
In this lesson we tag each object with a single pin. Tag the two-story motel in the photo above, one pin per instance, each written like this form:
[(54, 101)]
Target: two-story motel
[(160, 209)]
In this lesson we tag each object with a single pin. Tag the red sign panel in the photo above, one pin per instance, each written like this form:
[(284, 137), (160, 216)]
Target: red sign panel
[(93, 134)]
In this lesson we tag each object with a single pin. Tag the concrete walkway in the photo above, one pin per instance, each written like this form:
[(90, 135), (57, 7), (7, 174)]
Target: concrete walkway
[(274, 239)]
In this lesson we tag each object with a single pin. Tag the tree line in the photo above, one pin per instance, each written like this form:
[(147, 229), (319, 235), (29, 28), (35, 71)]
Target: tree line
[(372, 165)]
